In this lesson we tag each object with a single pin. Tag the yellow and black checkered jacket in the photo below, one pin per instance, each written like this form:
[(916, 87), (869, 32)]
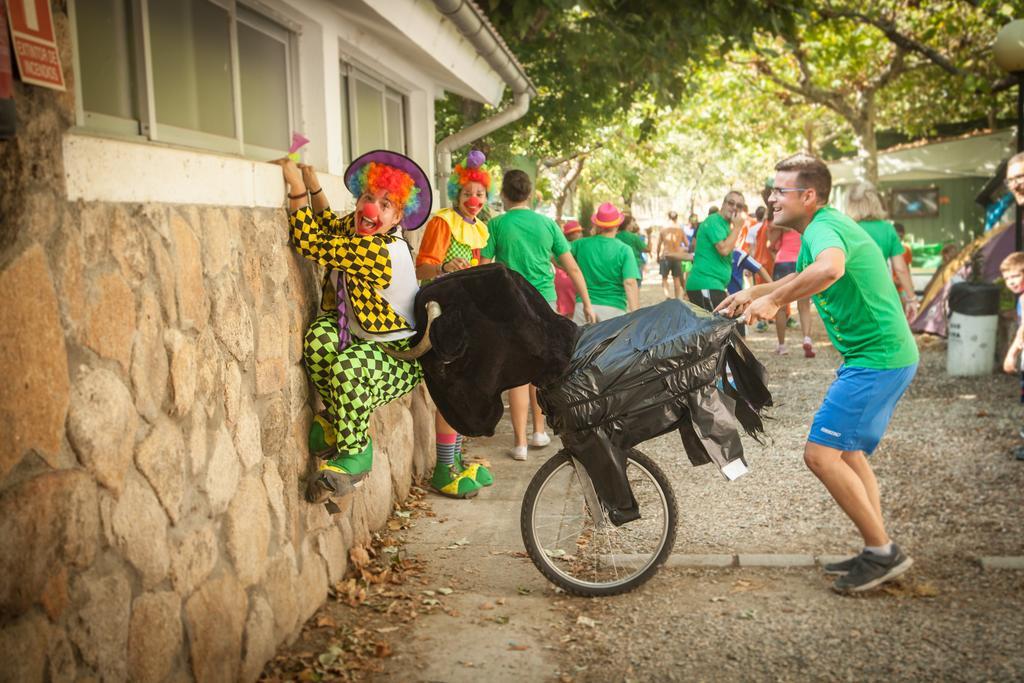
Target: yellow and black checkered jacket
[(363, 260)]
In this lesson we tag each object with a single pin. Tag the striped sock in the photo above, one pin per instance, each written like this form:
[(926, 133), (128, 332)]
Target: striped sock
[(458, 446), (446, 449)]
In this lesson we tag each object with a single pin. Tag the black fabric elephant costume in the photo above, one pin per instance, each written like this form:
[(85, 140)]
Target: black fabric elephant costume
[(604, 387)]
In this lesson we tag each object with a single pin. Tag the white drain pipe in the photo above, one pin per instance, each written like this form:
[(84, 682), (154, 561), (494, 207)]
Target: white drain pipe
[(471, 22)]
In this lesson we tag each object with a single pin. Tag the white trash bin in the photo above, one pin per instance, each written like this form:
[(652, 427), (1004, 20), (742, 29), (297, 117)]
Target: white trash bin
[(973, 321)]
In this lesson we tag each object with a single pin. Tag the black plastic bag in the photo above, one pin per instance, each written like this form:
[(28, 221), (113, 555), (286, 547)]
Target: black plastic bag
[(667, 367)]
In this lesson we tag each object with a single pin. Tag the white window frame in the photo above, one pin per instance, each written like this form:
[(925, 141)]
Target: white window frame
[(388, 92), (252, 13)]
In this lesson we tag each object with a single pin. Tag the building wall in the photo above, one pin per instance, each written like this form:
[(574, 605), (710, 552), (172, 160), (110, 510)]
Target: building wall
[(154, 417), (960, 219)]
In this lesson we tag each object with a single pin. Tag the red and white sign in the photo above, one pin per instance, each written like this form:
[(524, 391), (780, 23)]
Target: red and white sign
[(6, 83), (35, 47)]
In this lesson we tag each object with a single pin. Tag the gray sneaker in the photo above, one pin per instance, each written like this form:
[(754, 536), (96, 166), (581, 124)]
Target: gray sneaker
[(870, 570), (842, 566)]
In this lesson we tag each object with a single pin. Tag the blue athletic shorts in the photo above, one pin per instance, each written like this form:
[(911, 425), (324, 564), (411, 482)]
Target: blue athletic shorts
[(858, 406)]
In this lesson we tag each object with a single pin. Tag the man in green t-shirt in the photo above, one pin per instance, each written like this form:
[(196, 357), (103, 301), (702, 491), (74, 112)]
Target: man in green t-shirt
[(608, 266), (844, 270), (712, 256), (526, 242)]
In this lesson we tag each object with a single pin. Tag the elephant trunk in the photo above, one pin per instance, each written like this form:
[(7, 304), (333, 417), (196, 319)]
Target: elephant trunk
[(433, 311)]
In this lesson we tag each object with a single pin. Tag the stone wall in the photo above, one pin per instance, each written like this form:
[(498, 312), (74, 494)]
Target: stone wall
[(153, 416)]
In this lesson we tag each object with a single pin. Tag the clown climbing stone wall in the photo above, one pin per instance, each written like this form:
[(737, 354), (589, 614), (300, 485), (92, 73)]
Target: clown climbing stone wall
[(153, 422)]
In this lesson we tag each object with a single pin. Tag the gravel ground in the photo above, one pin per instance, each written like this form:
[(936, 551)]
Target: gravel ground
[(951, 491), (471, 607)]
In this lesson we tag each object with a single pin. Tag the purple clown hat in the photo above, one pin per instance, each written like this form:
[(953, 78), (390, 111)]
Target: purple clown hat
[(416, 216)]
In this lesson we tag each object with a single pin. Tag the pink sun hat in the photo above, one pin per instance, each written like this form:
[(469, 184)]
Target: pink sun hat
[(571, 227), (607, 216)]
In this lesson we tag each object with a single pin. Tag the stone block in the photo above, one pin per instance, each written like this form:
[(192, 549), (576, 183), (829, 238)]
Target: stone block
[(140, 527), (298, 390), (52, 521), (215, 615), (128, 244), (161, 459), (274, 486), (247, 530), (280, 584), (232, 391), (163, 268), (311, 590), (260, 644), (247, 435), (216, 239), (270, 375), (193, 559), (331, 545), (33, 408), (183, 368), (197, 435), (154, 637), (101, 425), (24, 644), (100, 627), (190, 290), (210, 368), (422, 409), (398, 434), (149, 359), (231, 320), (61, 666), (110, 319), (70, 281), (373, 499), (222, 473)]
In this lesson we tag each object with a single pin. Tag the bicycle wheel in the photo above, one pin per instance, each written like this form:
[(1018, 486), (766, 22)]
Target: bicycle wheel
[(591, 558)]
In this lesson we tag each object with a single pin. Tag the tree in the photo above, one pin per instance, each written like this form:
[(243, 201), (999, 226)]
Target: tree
[(592, 59), (878, 65)]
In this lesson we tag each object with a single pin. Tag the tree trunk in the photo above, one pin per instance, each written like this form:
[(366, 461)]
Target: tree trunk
[(570, 182), (867, 144)]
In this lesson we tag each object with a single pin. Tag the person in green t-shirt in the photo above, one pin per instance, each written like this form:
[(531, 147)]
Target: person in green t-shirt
[(629, 232), (526, 242), (608, 266), (712, 256), (864, 205), (844, 271)]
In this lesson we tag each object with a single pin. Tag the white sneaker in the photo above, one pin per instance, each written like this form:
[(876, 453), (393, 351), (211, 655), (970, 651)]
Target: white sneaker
[(781, 350), (539, 439), (518, 453)]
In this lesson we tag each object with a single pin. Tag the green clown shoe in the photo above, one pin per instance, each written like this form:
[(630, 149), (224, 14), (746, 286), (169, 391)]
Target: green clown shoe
[(480, 474), (340, 475), (322, 440), (449, 481)]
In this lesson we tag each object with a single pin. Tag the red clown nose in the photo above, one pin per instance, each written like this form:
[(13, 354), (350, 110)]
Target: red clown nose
[(370, 211), (474, 203)]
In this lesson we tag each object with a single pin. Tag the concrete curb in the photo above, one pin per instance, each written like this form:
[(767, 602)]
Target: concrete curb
[(784, 560), (1002, 562)]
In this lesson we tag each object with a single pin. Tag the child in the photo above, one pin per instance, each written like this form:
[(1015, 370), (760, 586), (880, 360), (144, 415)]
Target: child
[(451, 242), (1012, 269), (367, 305)]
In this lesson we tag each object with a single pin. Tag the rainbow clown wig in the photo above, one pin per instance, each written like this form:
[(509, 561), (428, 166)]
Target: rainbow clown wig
[(472, 172), (399, 185)]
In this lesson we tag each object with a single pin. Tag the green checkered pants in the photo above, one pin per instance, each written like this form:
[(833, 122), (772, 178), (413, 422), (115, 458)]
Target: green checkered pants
[(356, 381)]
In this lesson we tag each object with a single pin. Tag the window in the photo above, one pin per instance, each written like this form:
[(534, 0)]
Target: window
[(372, 114), (204, 73)]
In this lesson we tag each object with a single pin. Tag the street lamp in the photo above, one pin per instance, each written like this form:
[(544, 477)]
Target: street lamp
[(1009, 54)]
